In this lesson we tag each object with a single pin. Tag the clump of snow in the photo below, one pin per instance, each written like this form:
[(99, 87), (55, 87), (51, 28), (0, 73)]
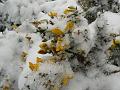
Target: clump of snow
[(1, 6), (102, 83), (26, 27)]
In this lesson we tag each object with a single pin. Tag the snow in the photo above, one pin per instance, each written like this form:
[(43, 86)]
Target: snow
[(9, 60), (113, 21), (103, 83), (22, 10), (26, 27), (1, 6)]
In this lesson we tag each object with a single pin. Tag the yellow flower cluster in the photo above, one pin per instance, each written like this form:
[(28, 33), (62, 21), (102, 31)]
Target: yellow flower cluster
[(69, 26), (59, 32), (57, 45)]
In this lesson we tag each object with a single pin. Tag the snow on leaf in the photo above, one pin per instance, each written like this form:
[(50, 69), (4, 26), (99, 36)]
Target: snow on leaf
[(36, 23), (23, 55)]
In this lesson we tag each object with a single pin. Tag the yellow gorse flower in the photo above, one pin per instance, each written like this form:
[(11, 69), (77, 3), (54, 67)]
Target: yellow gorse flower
[(59, 46), (34, 67), (69, 9), (43, 46), (69, 25), (52, 14), (57, 31), (114, 43), (72, 7), (66, 79), (117, 42), (42, 51), (38, 60), (60, 39)]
